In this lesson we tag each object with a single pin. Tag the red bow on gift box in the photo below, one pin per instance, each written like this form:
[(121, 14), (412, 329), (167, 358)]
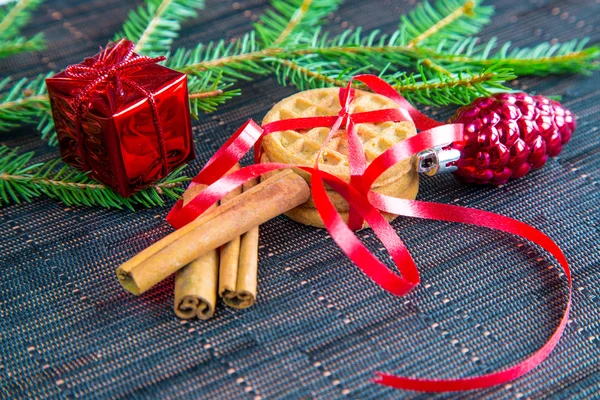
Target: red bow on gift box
[(113, 64), (365, 204)]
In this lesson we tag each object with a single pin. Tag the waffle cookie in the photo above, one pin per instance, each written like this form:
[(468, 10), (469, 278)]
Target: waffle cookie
[(301, 147)]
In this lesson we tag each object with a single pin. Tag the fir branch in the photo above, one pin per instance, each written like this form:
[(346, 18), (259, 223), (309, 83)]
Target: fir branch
[(293, 23), (289, 20), (9, 47), (232, 61), (447, 88), (207, 93), (542, 59), (24, 102), (448, 20), (438, 90), (22, 182), (45, 127), (354, 49), (154, 26), (12, 18)]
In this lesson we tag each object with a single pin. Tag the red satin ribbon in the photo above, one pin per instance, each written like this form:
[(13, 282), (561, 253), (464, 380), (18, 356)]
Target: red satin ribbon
[(366, 204)]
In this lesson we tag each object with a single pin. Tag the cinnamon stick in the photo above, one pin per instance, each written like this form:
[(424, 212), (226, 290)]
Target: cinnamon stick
[(196, 287), (196, 283), (238, 270), (230, 255), (266, 200)]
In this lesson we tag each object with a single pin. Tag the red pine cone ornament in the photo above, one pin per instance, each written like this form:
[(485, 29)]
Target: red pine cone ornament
[(508, 134)]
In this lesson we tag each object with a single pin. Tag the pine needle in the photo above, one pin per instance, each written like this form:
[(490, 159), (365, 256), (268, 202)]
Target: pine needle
[(231, 60), (443, 88), (9, 47), (16, 15), (287, 22)]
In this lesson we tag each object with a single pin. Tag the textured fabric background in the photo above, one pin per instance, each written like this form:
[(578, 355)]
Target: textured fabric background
[(320, 328)]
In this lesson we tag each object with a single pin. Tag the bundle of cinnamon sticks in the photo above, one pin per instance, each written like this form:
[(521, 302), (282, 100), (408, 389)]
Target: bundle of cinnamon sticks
[(216, 254)]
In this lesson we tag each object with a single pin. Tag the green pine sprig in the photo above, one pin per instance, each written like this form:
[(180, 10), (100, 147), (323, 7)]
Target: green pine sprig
[(545, 58), (20, 44), (350, 51), (24, 102), (21, 181), (154, 25), (442, 87), (238, 60), (445, 20), (435, 88), (354, 48), (290, 21), (209, 91), (13, 17)]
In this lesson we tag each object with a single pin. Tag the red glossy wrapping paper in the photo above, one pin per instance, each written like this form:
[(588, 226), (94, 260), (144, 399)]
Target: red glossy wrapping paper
[(124, 141)]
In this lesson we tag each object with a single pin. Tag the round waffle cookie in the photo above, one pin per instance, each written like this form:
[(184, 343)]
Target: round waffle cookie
[(301, 147)]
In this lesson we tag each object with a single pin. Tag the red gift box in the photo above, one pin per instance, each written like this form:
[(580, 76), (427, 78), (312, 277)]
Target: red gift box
[(123, 117)]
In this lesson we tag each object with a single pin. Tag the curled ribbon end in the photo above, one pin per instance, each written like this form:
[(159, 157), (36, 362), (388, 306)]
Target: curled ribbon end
[(378, 378), (172, 217)]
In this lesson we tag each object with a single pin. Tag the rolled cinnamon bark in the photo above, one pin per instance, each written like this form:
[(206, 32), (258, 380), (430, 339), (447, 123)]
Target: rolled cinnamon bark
[(229, 258), (237, 277), (196, 283), (195, 292), (266, 200), (196, 287)]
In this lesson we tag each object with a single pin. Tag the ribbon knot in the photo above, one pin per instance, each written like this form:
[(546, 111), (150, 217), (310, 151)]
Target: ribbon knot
[(346, 96), (111, 66), (344, 117)]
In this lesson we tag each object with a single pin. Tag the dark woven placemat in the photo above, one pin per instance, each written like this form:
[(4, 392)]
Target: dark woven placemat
[(320, 328)]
